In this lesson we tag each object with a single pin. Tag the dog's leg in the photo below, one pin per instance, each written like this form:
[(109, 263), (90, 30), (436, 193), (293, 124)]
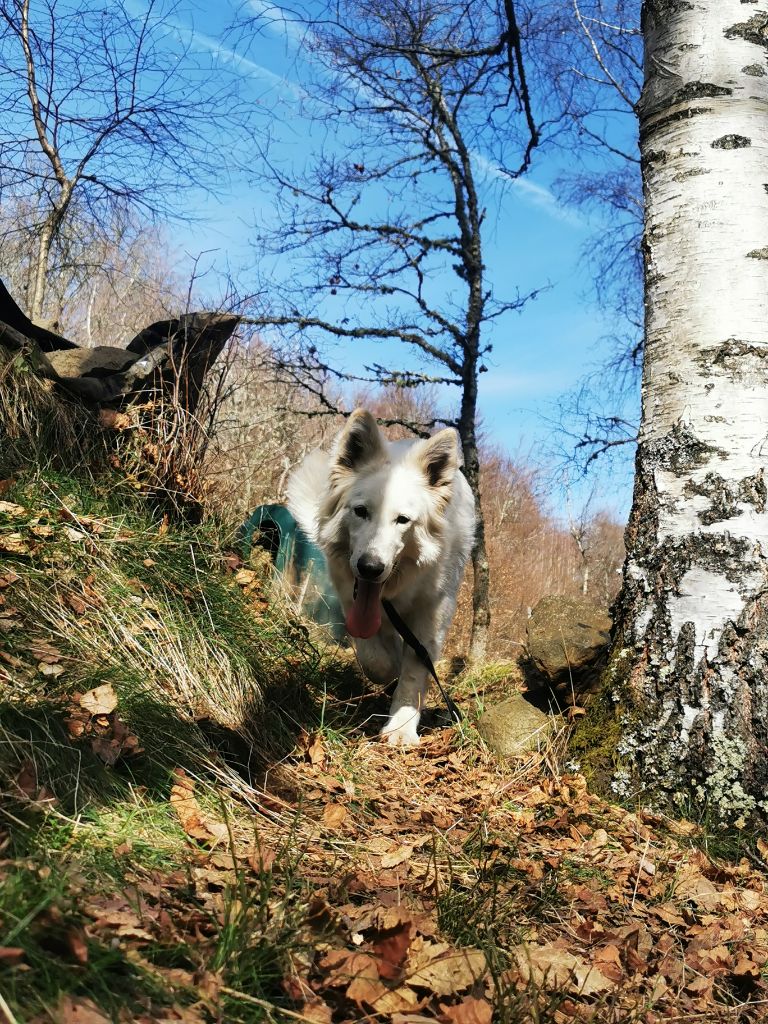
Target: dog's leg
[(411, 693), (407, 703)]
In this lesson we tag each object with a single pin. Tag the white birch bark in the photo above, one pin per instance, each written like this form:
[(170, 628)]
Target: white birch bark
[(693, 628)]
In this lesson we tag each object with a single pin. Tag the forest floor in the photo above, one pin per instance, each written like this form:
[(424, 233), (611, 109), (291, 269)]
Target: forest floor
[(198, 822)]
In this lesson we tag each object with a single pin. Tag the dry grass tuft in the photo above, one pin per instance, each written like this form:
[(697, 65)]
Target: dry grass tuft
[(37, 423)]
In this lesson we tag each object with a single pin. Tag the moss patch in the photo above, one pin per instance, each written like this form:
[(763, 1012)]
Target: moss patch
[(596, 739)]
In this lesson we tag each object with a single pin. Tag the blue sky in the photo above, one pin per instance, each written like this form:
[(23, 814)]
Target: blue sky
[(535, 242)]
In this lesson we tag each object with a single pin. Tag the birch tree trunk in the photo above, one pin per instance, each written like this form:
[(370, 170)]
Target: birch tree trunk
[(690, 662)]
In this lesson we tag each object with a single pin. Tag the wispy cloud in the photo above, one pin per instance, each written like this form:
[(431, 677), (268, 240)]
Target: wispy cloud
[(228, 56), (296, 33), (527, 190), (279, 21), (244, 65), (225, 54)]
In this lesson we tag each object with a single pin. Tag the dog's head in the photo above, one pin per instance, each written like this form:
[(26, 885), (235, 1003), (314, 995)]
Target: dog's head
[(385, 508)]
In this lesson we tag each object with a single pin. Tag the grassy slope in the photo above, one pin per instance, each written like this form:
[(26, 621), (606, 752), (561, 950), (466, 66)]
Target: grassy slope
[(229, 844)]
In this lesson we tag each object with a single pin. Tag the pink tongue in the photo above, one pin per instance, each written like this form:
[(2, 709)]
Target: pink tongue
[(364, 617)]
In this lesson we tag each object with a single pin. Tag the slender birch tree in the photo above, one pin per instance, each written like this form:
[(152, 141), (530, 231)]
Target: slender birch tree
[(690, 664)]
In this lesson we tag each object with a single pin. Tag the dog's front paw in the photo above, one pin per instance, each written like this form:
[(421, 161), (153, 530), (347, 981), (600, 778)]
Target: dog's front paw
[(401, 729)]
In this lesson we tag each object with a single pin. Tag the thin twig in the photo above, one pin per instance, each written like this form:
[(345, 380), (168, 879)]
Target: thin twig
[(269, 1007), (640, 871)]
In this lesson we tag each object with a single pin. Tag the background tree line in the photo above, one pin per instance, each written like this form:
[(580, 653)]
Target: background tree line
[(434, 94)]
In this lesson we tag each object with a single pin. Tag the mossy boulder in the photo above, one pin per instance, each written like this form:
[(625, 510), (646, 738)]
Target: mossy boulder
[(568, 639), (514, 726)]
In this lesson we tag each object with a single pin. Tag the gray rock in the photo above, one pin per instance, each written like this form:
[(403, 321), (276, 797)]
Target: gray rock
[(568, 638), (514, 726), (101, 359)]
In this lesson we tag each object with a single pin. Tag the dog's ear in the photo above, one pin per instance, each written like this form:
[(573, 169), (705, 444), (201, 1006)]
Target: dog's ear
[(438, 458), (360, 441)]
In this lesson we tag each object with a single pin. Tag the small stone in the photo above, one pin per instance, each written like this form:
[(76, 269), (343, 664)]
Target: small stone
[(514, 727)]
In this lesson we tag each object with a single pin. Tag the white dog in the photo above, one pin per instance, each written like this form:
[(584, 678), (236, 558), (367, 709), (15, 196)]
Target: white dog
[(395, 520)]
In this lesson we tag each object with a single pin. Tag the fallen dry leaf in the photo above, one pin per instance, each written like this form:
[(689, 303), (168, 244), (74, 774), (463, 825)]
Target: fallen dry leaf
[(195, 822), (78, 947), (79, 1011), (317, 1012), (316, 749), (364, 986), (42, 531), (245, 577), (28, 786), (468, 1011), (44, 651), (11, 509), (102, 700), (398, 856), (77, 604), (110, 419), (444, 970), (116, 742), (261, 860), (391, 949), (334, 815), (50, 671), (559, 969), (14, 544)]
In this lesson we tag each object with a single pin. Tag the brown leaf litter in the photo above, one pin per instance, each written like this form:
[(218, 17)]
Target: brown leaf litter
[(596, 912)]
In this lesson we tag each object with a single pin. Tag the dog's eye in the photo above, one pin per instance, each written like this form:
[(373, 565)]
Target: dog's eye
[(402, 520), (360, 511)]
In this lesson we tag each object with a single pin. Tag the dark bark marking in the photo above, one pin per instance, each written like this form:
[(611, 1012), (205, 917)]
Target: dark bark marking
[(699, 90), (727, 497), (685, 663), (759, 254), (679, 451), (679, 115), (695, 172), (732, 142), (735, 348), (755, 70), (661, 9), (738, 358), (718, 553), (753, 31)]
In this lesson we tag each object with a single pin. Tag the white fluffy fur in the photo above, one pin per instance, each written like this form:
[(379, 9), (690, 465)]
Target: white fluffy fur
[(424, 559)]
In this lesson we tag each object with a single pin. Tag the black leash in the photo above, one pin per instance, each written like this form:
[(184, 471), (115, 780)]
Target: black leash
[(421, 653)]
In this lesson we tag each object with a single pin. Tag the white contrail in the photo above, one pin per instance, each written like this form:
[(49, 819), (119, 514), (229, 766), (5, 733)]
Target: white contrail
[(537, 195), (279, 21), (227, 55)]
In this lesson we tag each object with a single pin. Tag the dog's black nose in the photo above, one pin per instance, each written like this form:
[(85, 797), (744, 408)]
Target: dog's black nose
[(369, 567)]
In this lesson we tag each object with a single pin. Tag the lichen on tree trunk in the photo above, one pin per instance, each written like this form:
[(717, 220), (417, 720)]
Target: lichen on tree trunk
[(689, 670)]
